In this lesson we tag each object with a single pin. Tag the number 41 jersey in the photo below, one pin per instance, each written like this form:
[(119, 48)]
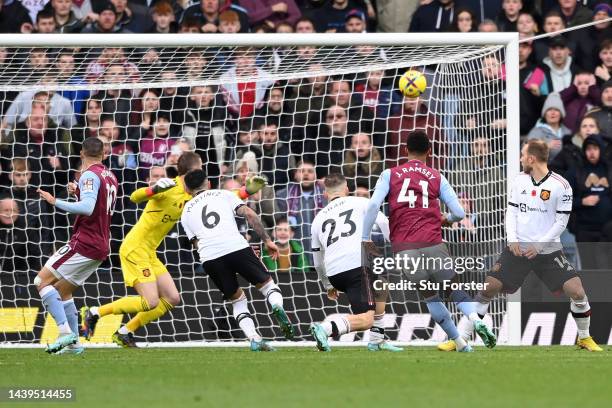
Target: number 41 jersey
[(209, 217), (337, 229)]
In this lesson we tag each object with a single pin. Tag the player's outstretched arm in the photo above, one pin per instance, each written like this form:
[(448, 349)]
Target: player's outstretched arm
[(449, 197), (146, 193), (252, 186), (255, 223), (89, 184), (380, 192)]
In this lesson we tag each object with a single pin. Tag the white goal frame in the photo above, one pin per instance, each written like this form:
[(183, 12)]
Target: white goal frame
[(510, 41)]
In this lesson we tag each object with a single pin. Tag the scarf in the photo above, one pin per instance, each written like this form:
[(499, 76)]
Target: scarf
[(294, 198)]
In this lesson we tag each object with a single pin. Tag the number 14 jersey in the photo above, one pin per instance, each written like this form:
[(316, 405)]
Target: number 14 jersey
[(336, 231), (209, 217)]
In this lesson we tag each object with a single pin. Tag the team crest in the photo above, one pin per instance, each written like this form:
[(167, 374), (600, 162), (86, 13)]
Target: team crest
[(545, 195), (146, 273)]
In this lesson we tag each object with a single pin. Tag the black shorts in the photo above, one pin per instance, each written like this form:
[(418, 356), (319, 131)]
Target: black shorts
[(552, 269), (356, 284), (244, 262)]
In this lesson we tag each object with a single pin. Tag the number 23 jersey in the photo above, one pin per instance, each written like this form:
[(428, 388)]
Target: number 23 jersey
[(337, 229), (210, 218)]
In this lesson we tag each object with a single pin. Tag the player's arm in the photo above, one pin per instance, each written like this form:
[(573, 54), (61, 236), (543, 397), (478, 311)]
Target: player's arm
[(563, 211), (89, 185), (318, 255), (380, 192), (252, 186), (190, 235), (153, 192), (450, 199), (253, 219)]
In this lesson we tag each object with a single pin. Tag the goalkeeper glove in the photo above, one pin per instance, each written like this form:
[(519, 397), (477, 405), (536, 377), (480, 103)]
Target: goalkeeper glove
[(162, 185), (254, 184)]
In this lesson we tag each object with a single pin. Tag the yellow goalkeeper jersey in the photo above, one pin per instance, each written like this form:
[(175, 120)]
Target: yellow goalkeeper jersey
[(162, 211)]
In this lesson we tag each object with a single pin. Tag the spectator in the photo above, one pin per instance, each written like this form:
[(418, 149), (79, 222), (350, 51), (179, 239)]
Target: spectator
[(550, 127), (488, 26), (275, 111), (362, 163), (66, 20), (304, 25), (97, 69), (206, 12), (553, 22), (301, 200), (37, 65), (604, 115), (592, 202), (526, 25), (507, 19), (574, 13), (571, 153), (107, 22), (170, 100), (284, 28), (414, 115), (263, 202), (394, 16), (117, 102), (291, 257), (362, 191), (36, 138), (45, 22), (355, 22), (192, 25), (272, 12), (155, 173), (465, 22), (579, 98), (155, 146), (559, 64), (331, 17), (164, 19), (585, 38), (360, 117), (381, 100), (243, 98), (14, 18), (121, 156), (436, 15), (603, 72), (145, 111), (326, 146), (89, 126), (485, 9), (276, 159), (247, 140), (13, 239), (66, 74), (132, 17), (58, 108), (205, 125), (229, 22), (82, 9), (534, 88)]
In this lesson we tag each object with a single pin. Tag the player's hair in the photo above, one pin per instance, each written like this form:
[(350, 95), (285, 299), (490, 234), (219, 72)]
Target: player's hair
[(418, 142), (539, 149), (93, 147), (186, 162), (194, 179), (333, 181)]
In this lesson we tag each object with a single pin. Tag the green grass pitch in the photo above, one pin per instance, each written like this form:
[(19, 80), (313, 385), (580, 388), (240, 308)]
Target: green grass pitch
[(298, 377)]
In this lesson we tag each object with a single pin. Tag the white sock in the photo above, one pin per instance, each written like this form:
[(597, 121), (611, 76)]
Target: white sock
[(581, 311), (272, 293), (94, 310), (482, 304), (342, 326), (377, 332), (466, 328), (123, 330), (460, 342), (240, 309), (64, 328)]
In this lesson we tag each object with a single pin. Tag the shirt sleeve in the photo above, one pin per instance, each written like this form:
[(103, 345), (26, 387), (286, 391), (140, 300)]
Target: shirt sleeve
[(184, 223), (380, 192), (449, 197), (383, 224), (564, 210), (89, 185), (234, 200)]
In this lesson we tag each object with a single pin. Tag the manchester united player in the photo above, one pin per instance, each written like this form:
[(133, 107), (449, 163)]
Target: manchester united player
[(89, 245), (413, 190)]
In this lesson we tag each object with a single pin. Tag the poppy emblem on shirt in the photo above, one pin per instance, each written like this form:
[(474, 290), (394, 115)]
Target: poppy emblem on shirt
[(545, 195), (533, 193)]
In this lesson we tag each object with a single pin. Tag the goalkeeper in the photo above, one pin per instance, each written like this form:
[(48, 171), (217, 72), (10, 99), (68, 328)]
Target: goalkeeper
[(142, 270)]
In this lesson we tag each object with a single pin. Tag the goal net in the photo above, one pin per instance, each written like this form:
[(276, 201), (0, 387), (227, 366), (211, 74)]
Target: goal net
[(291, 109)]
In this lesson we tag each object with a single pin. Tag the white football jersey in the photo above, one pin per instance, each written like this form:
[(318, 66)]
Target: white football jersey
[(209, 217), (537, 206), (336, 232)]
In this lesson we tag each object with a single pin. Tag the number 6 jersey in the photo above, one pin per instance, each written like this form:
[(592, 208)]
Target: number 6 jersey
[(209, 217), (336, 232)]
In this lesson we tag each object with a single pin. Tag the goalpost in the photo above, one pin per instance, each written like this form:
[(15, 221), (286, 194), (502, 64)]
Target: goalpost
[(153, 96)]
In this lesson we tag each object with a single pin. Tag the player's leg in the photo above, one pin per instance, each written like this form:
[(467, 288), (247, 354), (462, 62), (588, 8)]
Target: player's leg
[(441, 315), (378, 340), (65, 290), (250, 267), (168, 299), (138, 272)]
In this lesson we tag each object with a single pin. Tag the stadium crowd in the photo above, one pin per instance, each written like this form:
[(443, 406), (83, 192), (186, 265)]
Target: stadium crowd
[(295, 132)]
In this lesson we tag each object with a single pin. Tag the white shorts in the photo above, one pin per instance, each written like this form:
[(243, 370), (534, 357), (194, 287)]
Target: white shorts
[(66, 263)]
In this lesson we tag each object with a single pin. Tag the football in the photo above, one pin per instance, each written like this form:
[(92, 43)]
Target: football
[(412, 84)]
